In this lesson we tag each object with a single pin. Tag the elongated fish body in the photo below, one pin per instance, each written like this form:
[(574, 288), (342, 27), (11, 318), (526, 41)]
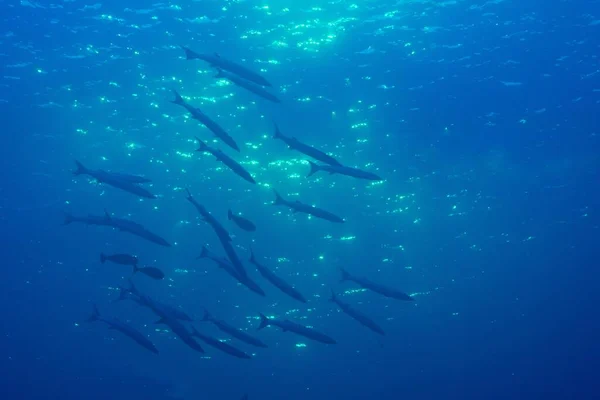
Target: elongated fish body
[(249, 86), (134, 228), (125, 329), (276, 281), (236, 333), (375, 287), (228, 161), (297, 206), (231, 270), (113, 179), (241, 222), (233, 257), (123, 259), (217, 344), (219, 62), (99, 220), (357, 315), (348, 171), (129, 178), (208, 218), (287, 325), (310, 151), (133, 294), (206, 121), (152, 272), (174, 324)]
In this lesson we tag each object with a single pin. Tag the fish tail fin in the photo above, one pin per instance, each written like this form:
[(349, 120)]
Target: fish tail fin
[(314, 168), (81, 169), (333, 297), (189, 194), (203, 146), (345, 275), (189, 54), (277, 134), (206, 316), (102, 258), (278, 199), (95, 314), (178, 99), (264, 322), (203, 253), (229, 214)]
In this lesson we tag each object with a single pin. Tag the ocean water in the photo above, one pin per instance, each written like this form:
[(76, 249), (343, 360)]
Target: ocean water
[(481, 118)]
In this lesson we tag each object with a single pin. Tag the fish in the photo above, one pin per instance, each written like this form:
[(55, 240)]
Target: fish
[(228, 161), (357, 315), (287, 325), (276, 281), (217, 344), (178, 329), (231, 270), (375, 287), (152, 272), (125, 329), (198, 115), (123, 259), (113, 180), (348, 171), (241, 222), (132, 293), (208, 218), (249, 86), (123, 225), (305, 149), (236, 333), (297, 206), (218, 62), (130, 178), (233, 257)]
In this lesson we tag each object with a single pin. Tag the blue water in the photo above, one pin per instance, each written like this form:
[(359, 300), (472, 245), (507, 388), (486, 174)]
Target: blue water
[(480, 116)]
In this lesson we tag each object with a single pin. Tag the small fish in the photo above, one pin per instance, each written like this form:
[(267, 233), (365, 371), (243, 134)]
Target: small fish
[(298, 206), (152, 272), (241, 222), (216, 61), (357, 315), (287, 325), (217, 344), (123, 259), (376, 287), (348, 171), (125, 329), (310, 151)]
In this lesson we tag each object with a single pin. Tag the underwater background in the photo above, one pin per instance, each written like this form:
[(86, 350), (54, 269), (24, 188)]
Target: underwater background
[(481, 118)]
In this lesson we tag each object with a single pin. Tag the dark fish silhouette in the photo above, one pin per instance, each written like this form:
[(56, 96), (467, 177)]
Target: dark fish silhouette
[(249, 86), (310, 151), (217, 344), (287, 325), (236, 333), (376, 287), (206, 121), (276, 281), (241, 222), (216, 61), (152, 272), (228, 161), (123, 225), (297, 206), (123, 259), (132, 293), (231, 270), (209, 219), (125, 329), (129, 178), (120, 181), (337, 169), (233, 257), (179, 329), (357, 315)]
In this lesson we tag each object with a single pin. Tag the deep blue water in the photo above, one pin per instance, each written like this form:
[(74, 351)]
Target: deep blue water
[(480, 116)]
